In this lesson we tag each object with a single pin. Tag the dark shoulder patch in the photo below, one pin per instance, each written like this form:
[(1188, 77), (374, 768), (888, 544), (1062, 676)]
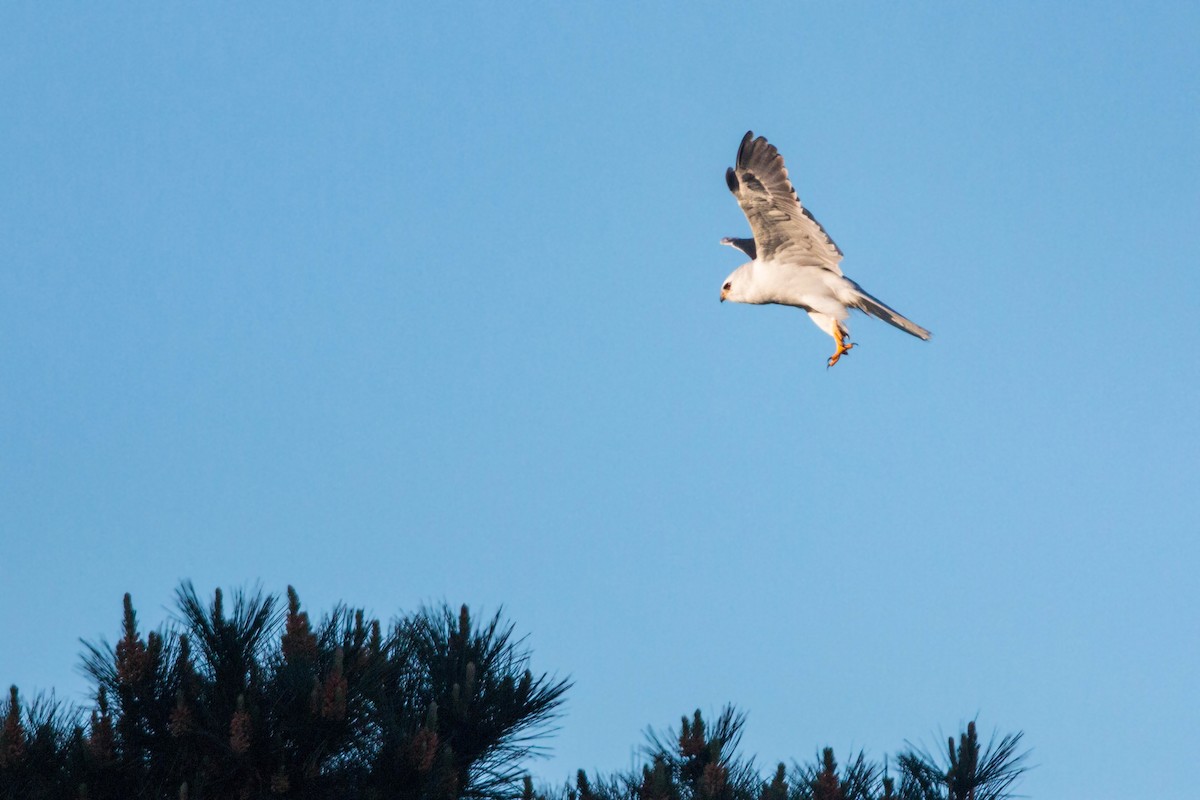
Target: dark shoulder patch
[(753, 183)]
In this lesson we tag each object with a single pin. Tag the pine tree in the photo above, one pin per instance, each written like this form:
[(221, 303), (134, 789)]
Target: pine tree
[(968, 772), (254, 700), (858, 780), (245, 700), (701, 762)]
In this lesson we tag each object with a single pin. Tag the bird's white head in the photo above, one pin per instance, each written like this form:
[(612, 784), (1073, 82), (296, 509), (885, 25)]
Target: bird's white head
[(736, 285)]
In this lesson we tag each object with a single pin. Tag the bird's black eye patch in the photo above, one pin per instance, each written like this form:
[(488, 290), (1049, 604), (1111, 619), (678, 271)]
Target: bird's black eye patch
[(727, 286)]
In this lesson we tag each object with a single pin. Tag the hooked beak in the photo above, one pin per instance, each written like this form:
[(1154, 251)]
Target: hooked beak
[(724, 292)]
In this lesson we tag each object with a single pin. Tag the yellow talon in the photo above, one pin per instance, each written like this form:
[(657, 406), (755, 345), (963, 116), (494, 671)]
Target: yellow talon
[(842, 346)]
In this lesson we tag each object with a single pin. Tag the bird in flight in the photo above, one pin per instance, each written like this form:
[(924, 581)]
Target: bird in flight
[(794, 262)]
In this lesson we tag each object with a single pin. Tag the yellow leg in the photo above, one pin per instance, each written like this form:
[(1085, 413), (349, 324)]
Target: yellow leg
[(842, 345)]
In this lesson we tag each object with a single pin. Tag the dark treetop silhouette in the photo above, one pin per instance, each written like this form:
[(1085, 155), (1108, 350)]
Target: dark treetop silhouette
[(255, 701)]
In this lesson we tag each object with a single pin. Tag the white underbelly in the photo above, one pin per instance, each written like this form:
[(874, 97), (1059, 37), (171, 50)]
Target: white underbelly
[(805, 287)]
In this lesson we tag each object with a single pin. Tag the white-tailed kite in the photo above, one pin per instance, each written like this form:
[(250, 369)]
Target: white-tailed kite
[(795, 263)]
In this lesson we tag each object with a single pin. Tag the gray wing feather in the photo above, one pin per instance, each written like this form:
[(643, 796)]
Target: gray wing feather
[(745, 245), (877, 308), (783, 228)]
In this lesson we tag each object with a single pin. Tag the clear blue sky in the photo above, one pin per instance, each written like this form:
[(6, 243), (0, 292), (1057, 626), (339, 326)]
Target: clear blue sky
[(400, 305)]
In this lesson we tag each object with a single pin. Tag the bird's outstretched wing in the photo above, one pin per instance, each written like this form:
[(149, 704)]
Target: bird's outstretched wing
[(783, 228)]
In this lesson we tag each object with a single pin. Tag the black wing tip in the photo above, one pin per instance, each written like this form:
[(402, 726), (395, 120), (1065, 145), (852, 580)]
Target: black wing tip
[(731, 180), (746, 140)]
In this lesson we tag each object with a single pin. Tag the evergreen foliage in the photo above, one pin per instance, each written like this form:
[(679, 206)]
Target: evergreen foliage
[(255, 701), (701, 762), (968, 772)]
